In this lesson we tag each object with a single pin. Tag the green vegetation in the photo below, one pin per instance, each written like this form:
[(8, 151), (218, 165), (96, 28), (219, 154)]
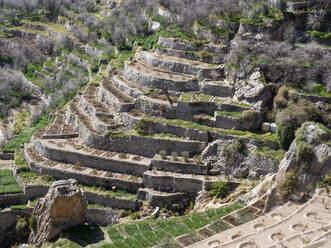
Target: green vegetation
[(320, 35), (142, 129), (220, 189), (304, 152), (290, 183), (32, 178), (109, 193), (326, 181), (233, 114), (243, 134), (8, 183), (25, 136), (18, 207), (32, 222), (191, 97), (268, 153), (290, 119), (148, 233), (20, 161), (21, 121), (233, 150)]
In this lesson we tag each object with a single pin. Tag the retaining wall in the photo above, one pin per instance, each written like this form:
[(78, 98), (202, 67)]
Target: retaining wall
[(179, 167), (129, 186), (90, 160), (179, 67), (133, 75)]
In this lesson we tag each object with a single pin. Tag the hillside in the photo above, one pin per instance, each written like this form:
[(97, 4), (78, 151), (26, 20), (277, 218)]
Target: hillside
[(185, 123)]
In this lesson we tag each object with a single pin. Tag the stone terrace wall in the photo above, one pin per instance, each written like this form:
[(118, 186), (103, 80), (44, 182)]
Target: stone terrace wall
[(111, 202), (179, 167), (192, 134), (180, 67), (89, 160), (145, 146), (103, 217), (129, 186), (12, 199)]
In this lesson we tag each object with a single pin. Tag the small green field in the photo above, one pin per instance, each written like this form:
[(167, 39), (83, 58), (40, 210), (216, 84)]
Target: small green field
[(8, 184), (142, 234)]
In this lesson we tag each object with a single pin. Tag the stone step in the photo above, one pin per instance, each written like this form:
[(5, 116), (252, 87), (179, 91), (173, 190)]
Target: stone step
[(177, 182), (183, 66), (114, 97), (84, 175), (162, 199), (149, 77), (178, 44), (278, 227), (73, 151), (202, 56)]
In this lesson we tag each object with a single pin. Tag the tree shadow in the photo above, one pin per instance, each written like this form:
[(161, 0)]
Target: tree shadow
[(84, 235)]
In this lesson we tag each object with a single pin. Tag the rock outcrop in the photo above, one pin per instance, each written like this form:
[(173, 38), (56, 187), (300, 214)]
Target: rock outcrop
[(63, 206), (228, 158), (307, 170)]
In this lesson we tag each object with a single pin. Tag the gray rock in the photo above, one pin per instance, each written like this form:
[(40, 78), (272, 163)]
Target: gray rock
[(63, 206), (308, 175)]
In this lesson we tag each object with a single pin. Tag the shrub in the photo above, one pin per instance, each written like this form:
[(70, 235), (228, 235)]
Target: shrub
[(135, 215), (282, 97), (21, 223), (231, 151), (123, 156), (290, 183), (326, 181), (304, 152), (220, 189), (32, 222), (174, 156), (185, 155), (290, 119), (250, 118), (141, 128), (163, 154)]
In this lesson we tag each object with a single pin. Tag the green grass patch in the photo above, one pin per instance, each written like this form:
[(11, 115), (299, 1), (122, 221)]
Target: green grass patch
[(18, 207), (191, 97), (109, 193), (148, 233), (20, 161), (32, 178), (244, 134), (25, 136), (8, 183), (266, 152), (320, 35), (237, 115)]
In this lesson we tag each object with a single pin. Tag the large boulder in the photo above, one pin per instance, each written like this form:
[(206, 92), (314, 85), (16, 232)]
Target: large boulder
[(253, 91), (307, 161), (63, 206)]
